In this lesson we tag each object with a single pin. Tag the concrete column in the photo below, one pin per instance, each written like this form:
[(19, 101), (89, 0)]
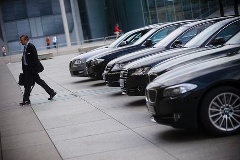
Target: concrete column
[(3, 31), (77, 21), (65, 24)]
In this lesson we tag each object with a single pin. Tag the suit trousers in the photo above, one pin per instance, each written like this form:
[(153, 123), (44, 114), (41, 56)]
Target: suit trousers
[(30, 79)]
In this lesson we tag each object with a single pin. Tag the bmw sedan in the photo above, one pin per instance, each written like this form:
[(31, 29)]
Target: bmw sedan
[(205, 94), (173, 40), (77, 65), (97, 64), (134, 78), (230, 47)]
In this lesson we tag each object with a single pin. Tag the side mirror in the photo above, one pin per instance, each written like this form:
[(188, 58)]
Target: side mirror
[(177, 44), (148, 43), (123, 43), (218, 41)]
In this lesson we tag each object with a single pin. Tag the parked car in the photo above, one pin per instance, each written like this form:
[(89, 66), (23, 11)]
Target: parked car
[(97, 64), (77, 65), (230, 47), (134, 78), (111, 73), (206, 95)]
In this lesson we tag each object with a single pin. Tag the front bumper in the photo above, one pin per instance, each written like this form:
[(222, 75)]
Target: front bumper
[(134, 85), (178, 112), (78, 70), (95, 71), (112, 78)]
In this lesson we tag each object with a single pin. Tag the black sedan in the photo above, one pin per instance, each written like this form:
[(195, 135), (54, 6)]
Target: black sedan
[(180, 36), (77, 65), (97, 64), (134, 79), (230, 47), (206, 95)]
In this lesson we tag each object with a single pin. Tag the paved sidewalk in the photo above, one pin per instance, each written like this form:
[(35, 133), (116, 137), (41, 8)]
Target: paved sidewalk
[(90, 121)]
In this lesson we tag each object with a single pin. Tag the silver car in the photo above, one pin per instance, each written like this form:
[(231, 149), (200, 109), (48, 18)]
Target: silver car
[(77, 65)]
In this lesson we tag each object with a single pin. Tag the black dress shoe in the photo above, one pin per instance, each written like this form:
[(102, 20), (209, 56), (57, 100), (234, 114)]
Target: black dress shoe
[(24, 103), (52, 95)]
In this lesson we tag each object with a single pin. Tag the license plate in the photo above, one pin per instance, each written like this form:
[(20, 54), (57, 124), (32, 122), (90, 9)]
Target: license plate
[(121, 83), (151, 110)]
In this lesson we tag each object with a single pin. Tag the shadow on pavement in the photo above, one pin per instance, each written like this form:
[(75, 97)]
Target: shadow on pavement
[(99, 84), (117, 94), (85, 80), (137, 102), (183, 135)]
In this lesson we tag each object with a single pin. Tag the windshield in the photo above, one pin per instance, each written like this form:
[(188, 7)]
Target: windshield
[(234, 40), (203, 36), (165, 41), (227, 32), (143, 38), (159, 35), (120, 39)]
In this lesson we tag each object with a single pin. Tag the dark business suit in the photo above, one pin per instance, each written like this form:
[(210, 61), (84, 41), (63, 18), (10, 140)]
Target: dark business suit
[(31, 69)]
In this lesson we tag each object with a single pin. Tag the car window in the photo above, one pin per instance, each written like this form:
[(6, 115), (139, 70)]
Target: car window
[(133, 38), (162, 33), (227, 32), (234, 40), (192, 33), (136, 37), (127, 36)]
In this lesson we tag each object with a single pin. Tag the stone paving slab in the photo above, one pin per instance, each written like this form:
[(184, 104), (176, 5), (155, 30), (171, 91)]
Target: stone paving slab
[(88, 120), (22, 135)]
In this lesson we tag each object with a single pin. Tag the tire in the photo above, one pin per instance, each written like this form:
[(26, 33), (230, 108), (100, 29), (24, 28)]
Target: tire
[(220, 111)]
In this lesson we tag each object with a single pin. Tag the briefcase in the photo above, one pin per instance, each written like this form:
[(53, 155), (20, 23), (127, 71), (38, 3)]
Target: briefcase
[(21, 79)]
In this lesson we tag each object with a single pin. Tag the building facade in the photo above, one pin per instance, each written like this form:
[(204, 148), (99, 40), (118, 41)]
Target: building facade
[(75, 21)]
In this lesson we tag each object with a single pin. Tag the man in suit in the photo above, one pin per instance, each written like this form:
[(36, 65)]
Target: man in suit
[(31, 66)]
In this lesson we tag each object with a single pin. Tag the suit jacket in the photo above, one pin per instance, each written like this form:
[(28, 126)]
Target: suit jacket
[(34, 65)]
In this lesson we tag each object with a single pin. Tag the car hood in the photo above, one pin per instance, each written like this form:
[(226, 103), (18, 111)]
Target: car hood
[(92, 53), (135, 55), (223, 68), (156, 58), (110, 52), (190, 57)]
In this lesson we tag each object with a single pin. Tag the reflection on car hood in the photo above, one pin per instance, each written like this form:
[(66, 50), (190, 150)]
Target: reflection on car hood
[(156, 58), (134, 55), (190, 72), (113, 51), (92, 53), (190, 57)]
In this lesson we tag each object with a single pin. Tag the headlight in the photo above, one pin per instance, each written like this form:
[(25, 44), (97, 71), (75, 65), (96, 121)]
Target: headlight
[(117, 66), (96, 61), (178, 89), (141, 71)]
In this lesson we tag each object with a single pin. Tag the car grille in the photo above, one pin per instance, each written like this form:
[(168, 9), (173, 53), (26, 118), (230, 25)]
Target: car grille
[(123, 78), (151, 95)]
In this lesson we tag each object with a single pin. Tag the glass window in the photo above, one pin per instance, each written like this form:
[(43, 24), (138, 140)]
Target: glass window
[(14, 10), (23, 28), (162, 33), (192, 33), (161, 15), (235, 39), (48, 25), (11, 31), (228, 32), (58, 24)]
